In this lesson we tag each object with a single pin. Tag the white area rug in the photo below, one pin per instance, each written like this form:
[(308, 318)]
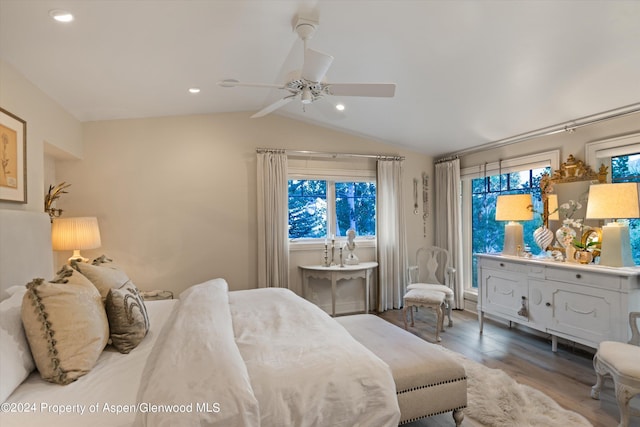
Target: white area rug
[(494, 399)]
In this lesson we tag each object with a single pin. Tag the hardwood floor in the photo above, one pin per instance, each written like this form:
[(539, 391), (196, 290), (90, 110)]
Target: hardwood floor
[(565, 376)]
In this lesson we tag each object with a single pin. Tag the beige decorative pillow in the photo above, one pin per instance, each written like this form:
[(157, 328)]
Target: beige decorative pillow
[(66, 325), (103, 274), (128, 319)]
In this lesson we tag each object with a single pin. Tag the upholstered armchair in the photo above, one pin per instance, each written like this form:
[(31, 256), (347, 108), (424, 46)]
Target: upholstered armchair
[(621, 362)]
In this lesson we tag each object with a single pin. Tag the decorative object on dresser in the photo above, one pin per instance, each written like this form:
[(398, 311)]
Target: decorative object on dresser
[(586, 304), (619, 200), (13, 158), (512, 208), (75, 234), (52, 195), (620, 362)]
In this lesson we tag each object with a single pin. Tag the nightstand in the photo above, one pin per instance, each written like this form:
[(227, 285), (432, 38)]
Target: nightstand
[(156, 295)]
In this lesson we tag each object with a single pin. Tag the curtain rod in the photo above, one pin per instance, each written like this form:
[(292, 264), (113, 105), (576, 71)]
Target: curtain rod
[(306, 153), (569, 126), (447, 159)]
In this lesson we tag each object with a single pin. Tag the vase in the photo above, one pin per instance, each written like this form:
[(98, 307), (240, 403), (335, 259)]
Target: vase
[(543, 237), (565, 235), (583, 257)]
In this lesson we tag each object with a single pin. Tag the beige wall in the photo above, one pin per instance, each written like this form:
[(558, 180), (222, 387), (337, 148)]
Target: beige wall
[(176, 199), (48, 125)]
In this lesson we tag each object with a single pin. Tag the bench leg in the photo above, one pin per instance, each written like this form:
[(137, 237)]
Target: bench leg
[(458, 416)]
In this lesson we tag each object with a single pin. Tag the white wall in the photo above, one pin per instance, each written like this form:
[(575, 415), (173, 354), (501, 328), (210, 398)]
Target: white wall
[(175, 196), (47, 125)]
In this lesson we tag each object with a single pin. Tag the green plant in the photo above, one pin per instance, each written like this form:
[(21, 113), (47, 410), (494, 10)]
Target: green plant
[(581, 246)]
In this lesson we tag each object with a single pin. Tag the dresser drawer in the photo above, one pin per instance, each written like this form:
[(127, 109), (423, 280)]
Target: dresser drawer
[(504, 264), (584, 277)]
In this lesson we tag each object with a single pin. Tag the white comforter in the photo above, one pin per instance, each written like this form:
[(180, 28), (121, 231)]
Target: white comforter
[(262, 358)]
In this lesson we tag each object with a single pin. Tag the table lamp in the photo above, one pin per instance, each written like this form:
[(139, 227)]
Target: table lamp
[(75, 234), (615, 201), (512, 208)]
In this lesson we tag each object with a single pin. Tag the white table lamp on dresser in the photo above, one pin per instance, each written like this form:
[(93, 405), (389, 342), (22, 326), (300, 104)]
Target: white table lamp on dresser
[(512, 208), (614, 201)]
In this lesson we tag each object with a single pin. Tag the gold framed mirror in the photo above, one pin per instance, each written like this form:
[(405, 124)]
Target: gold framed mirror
[(571, 171)]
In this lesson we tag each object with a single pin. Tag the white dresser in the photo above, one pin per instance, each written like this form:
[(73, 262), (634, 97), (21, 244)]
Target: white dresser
[(586, 304)]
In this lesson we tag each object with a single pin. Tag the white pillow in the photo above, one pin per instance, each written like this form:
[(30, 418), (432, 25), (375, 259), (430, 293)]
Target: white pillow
[(16, 362)]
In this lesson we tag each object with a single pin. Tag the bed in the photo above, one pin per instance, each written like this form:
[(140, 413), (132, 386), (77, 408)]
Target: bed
[(262, 357)]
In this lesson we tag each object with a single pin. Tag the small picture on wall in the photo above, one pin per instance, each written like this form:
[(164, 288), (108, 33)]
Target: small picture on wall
[(13, 159)]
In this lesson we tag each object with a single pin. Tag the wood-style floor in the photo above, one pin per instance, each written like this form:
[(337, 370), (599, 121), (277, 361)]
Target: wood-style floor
[(565, 376)]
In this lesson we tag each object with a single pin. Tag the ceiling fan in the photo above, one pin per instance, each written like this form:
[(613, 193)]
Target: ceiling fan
[(309, 85)]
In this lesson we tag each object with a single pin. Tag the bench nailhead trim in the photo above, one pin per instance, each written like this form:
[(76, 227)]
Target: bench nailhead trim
[(431, 385)]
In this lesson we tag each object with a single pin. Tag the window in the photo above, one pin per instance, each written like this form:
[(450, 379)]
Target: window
[(320, 208), (481, 185), (627, 169), (487, 233)]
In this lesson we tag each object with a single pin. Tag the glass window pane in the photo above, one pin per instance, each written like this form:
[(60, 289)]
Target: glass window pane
[(627, 169), (307, 209), (356, 208)]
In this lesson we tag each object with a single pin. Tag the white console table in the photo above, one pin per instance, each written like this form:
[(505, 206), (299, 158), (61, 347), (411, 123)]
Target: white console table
[(586, 304), (336, 273)]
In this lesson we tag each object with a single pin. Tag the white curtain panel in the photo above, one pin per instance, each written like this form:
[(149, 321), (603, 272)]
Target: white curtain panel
[(273, 225), (448, 219), (392, 245)]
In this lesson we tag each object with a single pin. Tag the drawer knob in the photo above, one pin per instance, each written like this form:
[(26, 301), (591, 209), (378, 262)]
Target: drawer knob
[(578, 276), (501, 264), (548, 304)]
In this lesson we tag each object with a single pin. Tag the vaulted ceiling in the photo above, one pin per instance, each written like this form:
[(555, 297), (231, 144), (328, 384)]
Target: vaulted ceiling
[(468, 72)]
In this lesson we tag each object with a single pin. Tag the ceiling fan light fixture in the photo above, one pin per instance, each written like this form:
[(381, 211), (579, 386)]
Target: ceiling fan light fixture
[(306, 96)]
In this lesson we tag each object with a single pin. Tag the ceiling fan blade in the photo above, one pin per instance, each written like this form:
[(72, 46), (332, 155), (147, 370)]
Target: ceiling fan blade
[(236, 83), (315, 65), (383, 90), (272, 107)]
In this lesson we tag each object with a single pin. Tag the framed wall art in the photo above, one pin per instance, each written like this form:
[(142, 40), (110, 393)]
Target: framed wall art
[(13, 158)]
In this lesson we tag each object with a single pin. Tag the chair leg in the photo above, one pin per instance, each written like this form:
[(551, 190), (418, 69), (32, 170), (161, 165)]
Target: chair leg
[(412, 316), (440, 321), (449, 313), (623, 396), (404, 317), (600, 374)]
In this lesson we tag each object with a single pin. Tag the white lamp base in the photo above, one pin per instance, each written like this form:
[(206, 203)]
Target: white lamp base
[(616, 246), (77, 257), (513, 237)]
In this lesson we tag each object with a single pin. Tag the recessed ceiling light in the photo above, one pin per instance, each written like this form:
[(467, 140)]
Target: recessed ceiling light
[(194, 90), (61, 15), (340, 107)]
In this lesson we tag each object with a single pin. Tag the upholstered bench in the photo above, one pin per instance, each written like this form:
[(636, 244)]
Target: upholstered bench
[(428, 381), (418, 297)]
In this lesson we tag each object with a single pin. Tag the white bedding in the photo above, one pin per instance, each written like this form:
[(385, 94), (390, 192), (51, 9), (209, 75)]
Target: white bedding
[(114, 380), (262, 357)]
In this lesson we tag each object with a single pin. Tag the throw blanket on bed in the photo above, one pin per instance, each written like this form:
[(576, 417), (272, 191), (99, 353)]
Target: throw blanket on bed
[(262, 357), (195, 375)]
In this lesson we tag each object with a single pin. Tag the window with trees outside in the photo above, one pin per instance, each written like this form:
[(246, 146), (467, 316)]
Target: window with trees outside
[(626, 168), (322, 208), (487, 234)]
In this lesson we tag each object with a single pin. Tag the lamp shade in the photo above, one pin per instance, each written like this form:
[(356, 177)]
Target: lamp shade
[(68, 234), (618, 200), (514, 207)]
